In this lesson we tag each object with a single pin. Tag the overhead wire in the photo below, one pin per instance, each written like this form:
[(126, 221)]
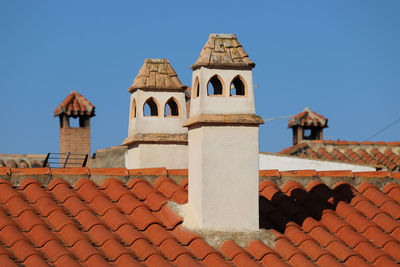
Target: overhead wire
[(385, 128)]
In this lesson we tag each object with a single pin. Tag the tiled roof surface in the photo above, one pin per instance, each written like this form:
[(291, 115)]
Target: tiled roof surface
[(223, 51), (308, 118), (75, 105), (381, 154), (130, 224), (156, 73)]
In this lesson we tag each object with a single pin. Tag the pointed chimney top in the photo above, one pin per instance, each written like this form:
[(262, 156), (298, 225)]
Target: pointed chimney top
[(308, 118), (158, 74), (75, 105), (223, 51)]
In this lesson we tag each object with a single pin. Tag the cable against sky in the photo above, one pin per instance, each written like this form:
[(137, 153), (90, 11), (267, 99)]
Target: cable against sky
[(385, 128)]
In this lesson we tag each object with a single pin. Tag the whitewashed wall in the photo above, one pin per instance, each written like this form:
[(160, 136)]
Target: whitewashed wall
[(288, 163)]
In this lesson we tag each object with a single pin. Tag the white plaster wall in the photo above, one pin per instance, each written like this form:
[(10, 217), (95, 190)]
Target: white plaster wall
[(286, 163), (132, 157), (159, 124), (170, 156), (223, 177), (226, 104)]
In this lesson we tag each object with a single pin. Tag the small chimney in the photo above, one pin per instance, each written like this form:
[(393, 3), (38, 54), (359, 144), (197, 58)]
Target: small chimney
[(156, 137), (307, 125), (75, 139), (223, 132)]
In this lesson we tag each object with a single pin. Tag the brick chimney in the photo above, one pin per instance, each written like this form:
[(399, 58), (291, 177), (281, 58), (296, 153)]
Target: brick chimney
[(75, 139), (223, 132), (307, 125)]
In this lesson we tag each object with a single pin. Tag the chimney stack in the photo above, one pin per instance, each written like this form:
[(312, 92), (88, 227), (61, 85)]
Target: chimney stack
[(223, 132), (75, 139), (156, 137), (307, 125)]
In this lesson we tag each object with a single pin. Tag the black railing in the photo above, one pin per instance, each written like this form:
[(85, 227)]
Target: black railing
[(65, 160)]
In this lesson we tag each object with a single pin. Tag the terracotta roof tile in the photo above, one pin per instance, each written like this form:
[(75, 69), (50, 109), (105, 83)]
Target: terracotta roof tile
[(75, 105), (130, 224), (186, 260), (156, 74), (308, 118), (376, 154), (223, 51)]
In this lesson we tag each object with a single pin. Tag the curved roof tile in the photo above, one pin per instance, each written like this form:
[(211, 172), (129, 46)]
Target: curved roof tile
[(308, 118), (130, 223), (75, 105)]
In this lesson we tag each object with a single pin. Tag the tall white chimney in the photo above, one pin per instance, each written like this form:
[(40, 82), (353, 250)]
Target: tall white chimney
[(223, 132)]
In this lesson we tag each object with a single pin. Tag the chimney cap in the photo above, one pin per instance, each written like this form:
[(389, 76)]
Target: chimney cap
[(157, 74), (308, 118), (75, 105), (223, 51)]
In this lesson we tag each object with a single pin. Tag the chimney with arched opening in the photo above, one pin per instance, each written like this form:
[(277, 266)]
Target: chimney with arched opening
[(75, 113), (156, 137), (223, 132), (307, 125)]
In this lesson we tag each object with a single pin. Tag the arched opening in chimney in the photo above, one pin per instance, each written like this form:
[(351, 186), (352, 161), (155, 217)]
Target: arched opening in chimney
[(171, 108), (196, 87), (133, 111), (214, 86), (150, 108), (237, 87)]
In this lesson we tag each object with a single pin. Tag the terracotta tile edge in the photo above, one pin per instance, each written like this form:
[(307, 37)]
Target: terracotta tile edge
[(338, 173)]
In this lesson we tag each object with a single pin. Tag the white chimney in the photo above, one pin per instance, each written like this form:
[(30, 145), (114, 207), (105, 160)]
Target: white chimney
[(223, 133), (156, 137)]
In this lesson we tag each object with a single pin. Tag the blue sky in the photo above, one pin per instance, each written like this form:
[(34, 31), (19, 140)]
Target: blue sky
[(340, 58)]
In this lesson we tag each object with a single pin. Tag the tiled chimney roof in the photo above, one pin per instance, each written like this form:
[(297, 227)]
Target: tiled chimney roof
[(75, 105), (223, 51), (308, 118), (156, 73)]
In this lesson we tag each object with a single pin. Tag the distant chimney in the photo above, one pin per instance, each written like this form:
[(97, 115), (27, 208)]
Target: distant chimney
[(223, 133), (156, 137), (75, 139), (307, 125)]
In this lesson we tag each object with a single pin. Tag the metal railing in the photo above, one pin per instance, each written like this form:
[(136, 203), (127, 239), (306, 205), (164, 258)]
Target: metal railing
[(65, 160)]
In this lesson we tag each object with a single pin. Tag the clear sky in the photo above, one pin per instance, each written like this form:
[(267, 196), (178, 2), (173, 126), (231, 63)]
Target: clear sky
[(340, 58)]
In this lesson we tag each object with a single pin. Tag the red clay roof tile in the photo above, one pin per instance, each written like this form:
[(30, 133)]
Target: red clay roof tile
[(144, 249), (92, 224), (113, 249), (201, 249), (109, 171), (155, 260), (157, 234), (155, 201), (172, 249), (126, 260), (129, 234), (214, 260), (148, 171), (75, 105), (177, 172), (100, 234), (308, 118), (184, 260), (375, 154)]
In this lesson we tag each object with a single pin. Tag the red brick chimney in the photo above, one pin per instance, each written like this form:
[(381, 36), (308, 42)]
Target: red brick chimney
[(307, 125), (75, 140)]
